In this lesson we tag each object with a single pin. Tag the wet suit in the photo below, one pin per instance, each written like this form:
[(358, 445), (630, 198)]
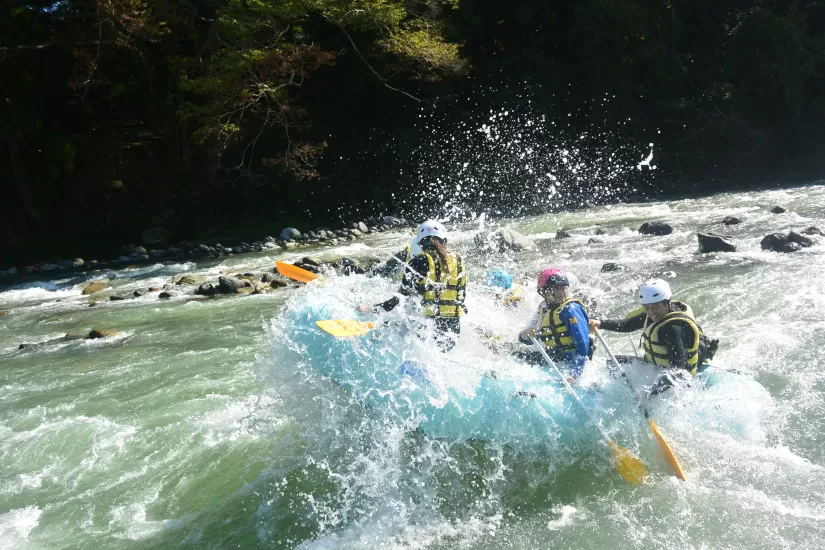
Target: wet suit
[(676, 335), (575, 318)]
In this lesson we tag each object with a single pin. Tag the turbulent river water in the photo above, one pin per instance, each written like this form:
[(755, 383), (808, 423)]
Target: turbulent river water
[(203, 424)]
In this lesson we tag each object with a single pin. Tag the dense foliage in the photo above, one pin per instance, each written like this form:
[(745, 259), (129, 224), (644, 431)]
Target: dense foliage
[(198, 115)]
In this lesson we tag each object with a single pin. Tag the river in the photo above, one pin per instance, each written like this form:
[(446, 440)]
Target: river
[(198, 425)]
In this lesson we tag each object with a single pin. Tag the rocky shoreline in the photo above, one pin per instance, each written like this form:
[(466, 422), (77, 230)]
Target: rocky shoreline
[(154, 248)]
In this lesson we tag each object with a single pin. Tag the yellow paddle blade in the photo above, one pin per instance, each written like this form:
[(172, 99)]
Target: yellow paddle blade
[(628, 465), (669, 456), (295, 272), (343, 328)]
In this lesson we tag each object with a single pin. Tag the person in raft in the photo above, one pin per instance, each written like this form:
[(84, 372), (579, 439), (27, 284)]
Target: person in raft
[(438, 277), (500, 283), (561, 325), (672, 338)]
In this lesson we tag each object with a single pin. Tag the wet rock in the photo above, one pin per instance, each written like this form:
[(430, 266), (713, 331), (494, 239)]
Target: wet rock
[(230, 285), (563, 234), (116, 298), (206, 289), (391, 221), (732, 220), (610, 267), (599, 231), (713, 242), (203, 249), (95, 286), (75, 335), (348, 266), (360, 226), (44, 268), (138, 293), (789, 247), (166, 294), (594, 240), (154, 235), (155, 254), (290, 245), (778, 209), (812, 230), (247, 277), (189, 280), (502, 240), (95, 334), (278, 283), (133, 251), (801, 240), (355, 233), (656, 228), (775, 242), (289, 234)]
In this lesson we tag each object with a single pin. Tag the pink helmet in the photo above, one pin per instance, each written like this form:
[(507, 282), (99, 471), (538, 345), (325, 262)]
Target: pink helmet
[(553, 276)]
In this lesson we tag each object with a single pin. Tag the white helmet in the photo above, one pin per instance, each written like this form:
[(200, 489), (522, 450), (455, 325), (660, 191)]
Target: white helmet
[(431, 228), (654, 291), (415, 248)]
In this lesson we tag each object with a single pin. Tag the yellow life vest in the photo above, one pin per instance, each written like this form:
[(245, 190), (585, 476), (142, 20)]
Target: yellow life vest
[(552, 331), (443, 289), (656, 351)]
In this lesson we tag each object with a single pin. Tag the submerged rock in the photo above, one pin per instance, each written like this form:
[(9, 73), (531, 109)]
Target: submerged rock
[(95, 286), (504, 239), (777, 242), (563, 234), (95, 334), (189, 280), (801, 240), (656, 228), (230, 285), (612, 266), (599, 231), (206, 289), (812, 230), (732, 220), (713, 242), (138, 293), (116, 298), (166, 294), (778, 209)]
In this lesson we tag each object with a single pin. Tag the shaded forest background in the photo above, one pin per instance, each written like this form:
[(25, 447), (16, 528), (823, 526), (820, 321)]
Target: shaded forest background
[(216, 117)]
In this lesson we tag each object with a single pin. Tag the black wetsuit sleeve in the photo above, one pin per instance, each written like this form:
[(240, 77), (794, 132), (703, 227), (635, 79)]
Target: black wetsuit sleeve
[(637, 322), (412, 275), (672, 336)]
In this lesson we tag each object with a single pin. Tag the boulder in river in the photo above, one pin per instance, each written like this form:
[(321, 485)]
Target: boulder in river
[(777, 242), (563, 234), (95, 334), (289, 234), (812, 230), (95, 286), (116, 298), (713, 242), (610, 267), (206, 289), (504, 239), (599, 231), (392, 221), (138, 293), (154, 236), (732, 220), (230, 285), (594, 240), (166, 294), (778, 209), (656, 228), (360, 226), (801, 240), (189, 280)]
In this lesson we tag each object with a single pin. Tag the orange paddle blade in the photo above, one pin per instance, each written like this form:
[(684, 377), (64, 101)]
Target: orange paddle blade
[(294, 272), (343, 328), (669, 456)]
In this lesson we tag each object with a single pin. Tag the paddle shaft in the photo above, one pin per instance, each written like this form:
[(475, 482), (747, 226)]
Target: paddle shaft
[(570, 389), (621, 370)]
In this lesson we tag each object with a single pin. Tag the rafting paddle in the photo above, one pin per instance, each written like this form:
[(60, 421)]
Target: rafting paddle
[(294, 272), (344, 328), (669, 456), (628, 465)]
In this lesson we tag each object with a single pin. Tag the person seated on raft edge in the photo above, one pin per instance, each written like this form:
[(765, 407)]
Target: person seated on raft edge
[(671, 339), (395, 265), (439, 278), (501, 283), (562, 325)]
